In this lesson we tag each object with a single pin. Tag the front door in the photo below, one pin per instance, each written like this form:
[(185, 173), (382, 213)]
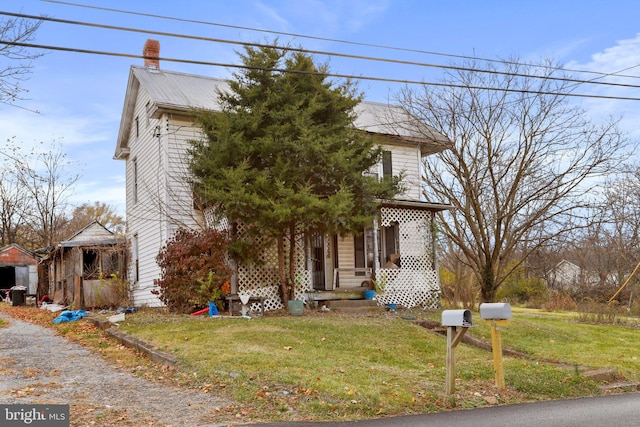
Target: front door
[(317, 261)]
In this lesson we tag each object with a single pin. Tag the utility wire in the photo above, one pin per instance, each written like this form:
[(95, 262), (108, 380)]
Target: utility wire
[(151, 15), (280, 70), (314, 52)]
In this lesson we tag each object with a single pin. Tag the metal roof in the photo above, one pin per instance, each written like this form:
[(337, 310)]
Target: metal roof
[(181, 93)]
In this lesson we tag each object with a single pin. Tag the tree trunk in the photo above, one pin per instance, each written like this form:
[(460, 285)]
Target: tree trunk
[(284, 292), (292, 260), (488, 287)]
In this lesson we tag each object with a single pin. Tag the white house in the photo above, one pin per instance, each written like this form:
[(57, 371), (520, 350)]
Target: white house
[(155, 128)]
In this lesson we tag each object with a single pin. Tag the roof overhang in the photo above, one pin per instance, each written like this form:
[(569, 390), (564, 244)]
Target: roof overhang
[(92, 243), (416, 204), (122, 144)]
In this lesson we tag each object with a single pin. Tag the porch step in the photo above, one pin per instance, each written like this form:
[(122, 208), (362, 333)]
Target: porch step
[(361, 306), (348, 294)]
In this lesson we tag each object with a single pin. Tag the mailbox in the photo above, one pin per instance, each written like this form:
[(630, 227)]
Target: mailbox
[(495, 311), (456, 318)]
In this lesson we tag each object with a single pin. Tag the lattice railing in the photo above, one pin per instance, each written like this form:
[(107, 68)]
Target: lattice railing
[(261, 279), (416, 283)]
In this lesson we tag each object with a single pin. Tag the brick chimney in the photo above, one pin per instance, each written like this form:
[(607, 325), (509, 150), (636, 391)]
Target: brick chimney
[(151, 51)]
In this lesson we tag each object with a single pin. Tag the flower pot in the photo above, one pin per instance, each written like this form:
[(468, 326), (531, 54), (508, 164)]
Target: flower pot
[(369, 294), (296, 307)]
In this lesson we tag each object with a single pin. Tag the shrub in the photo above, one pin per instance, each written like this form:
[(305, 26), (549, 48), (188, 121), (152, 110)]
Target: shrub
[(194, 270), (559, 301), (523, 290)]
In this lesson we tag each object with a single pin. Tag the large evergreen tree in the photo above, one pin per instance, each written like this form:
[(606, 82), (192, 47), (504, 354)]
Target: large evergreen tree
[(283, 155)]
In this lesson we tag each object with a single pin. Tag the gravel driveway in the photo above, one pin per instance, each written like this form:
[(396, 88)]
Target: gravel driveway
[(36, 367)]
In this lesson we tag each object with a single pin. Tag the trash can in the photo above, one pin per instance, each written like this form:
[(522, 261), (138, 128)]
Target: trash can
[(17, 296)]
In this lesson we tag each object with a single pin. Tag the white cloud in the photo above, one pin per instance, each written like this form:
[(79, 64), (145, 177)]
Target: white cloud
[(624, 59)]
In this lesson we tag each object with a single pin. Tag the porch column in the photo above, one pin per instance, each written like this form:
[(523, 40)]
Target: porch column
[(376, 252)]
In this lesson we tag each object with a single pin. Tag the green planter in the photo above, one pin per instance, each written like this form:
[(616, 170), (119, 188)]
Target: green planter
[(296, 307)]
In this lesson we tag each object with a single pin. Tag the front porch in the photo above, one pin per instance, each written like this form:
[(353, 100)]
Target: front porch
[(398, 253)]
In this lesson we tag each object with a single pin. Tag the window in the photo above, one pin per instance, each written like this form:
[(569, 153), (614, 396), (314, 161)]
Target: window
[(360, 253), (391, 244), (90, 264), (137, 127), (100, 263), (387, 170), (135, 180), (134, 255), (147, 108)]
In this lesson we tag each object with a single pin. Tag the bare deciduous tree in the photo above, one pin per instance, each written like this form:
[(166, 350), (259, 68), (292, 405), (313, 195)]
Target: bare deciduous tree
[(47, 179), (523, 165), (17, 63), (13, 209)]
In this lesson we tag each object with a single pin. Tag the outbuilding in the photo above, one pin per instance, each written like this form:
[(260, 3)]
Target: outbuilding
[(18, 267)]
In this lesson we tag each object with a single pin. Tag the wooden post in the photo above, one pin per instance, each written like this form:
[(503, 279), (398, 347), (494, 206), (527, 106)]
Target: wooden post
[(453, 338), (496, 348)]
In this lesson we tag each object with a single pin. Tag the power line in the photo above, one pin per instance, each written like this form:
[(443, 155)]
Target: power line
[(336, 75), (378, 46), (316, 52)]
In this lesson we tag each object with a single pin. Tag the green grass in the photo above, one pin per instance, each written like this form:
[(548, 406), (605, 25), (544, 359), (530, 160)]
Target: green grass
[(561, 338), (336, 367)]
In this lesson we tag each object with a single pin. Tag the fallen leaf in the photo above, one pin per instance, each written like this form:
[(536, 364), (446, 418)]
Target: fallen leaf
[(491, 400), (288, 347)]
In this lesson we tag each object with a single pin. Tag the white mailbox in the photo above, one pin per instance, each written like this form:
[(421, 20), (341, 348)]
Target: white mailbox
[(495, 310), (456, 318)]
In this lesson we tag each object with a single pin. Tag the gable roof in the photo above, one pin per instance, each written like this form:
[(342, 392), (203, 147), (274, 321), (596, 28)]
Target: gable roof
[(93, 233), (15, 254), (181, 93)]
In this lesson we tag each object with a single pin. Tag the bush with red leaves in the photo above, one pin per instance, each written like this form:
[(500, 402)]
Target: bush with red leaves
[(194, 269)]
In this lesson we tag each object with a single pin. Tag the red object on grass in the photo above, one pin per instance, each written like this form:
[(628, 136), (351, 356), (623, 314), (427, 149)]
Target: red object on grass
[(204, 310)]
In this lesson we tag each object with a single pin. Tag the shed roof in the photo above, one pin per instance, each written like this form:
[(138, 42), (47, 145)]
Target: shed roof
[(181, 93)]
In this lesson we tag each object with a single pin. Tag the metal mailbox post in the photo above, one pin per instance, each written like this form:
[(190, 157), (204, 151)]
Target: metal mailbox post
[(453, 319), (496, 315)]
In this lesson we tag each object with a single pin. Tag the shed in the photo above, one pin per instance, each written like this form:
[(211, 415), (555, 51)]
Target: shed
[(89, 269), (18, 267)]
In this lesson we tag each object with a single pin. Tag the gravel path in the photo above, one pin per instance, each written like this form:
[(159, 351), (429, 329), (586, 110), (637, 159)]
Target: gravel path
[(36, 366)]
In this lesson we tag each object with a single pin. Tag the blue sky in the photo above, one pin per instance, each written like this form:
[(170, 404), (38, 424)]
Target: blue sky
[(80, 96)]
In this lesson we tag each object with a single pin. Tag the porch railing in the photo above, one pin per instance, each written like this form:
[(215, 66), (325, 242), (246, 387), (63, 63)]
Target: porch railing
[(350, 276)]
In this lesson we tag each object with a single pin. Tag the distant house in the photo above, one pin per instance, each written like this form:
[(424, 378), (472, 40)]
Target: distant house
[(157, 123), (18, 267), (565, 275), (87, 269)]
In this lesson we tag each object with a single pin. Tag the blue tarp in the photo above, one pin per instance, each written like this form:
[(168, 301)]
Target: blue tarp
[(70, 316)]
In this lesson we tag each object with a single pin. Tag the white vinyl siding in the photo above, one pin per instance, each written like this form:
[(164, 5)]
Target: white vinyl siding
[(346, 261), (164, 199), (406, 160), (144, 218)]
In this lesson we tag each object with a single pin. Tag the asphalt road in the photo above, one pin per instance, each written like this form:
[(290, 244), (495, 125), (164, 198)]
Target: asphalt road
[(620, 410)]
